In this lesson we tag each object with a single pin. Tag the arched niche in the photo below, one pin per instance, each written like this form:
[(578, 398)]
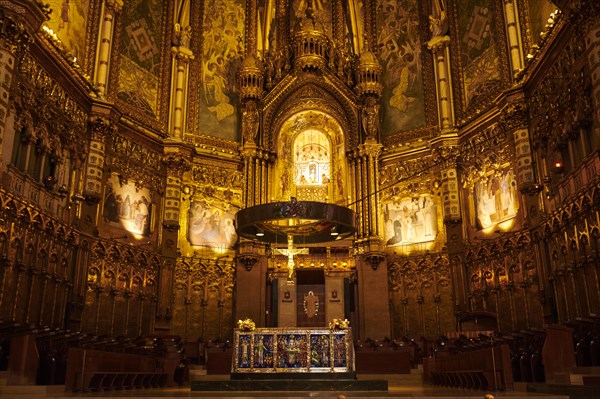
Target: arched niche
[(311, 163)]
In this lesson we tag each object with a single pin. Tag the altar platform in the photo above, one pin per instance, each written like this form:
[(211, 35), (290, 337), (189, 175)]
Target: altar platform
[(292, 359)]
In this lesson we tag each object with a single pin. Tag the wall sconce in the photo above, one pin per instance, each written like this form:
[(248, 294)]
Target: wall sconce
[(558, 167)]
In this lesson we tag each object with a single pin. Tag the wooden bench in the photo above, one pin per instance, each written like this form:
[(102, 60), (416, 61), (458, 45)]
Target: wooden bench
[(97, 370), (383, 361), (484, 368)]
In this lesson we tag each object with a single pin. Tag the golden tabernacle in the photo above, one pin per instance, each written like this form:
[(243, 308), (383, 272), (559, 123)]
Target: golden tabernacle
[(293, 350)]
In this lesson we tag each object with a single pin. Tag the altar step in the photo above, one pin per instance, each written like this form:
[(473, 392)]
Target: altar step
[(297, 385)]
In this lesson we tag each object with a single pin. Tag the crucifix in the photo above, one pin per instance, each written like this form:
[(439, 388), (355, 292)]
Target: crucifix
[(290, 251)]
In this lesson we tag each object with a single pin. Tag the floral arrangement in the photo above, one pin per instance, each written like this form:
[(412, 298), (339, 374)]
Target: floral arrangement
[(246, 325), (339, 324)]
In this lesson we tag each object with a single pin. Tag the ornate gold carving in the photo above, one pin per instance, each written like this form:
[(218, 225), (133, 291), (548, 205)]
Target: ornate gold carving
[(177, 164), (136, 162), (14, 35), (514, 116), (101, 127)]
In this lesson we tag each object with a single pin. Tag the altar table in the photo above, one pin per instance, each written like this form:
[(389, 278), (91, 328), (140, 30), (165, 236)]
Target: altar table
[(293, 350)]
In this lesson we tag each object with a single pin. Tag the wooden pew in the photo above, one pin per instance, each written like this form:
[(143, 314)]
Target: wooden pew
[(383, 360), (483, 368), (97, 370)]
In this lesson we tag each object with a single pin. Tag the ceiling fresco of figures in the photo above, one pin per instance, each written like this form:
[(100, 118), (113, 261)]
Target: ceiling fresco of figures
[(400, 45), (68, 21), (223, 46)]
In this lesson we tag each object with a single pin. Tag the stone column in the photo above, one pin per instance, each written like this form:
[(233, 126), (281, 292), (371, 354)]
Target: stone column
[(445, 153), (513, 33), (441, 56), (105, 43), (99, 128), (176, 166), (179, 84), (373, 299)]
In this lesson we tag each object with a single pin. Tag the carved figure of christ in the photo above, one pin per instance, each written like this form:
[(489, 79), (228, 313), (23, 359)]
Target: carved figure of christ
[(290, 251)]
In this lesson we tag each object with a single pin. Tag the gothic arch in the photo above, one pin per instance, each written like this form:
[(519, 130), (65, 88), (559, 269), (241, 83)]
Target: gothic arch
[(310, 93)]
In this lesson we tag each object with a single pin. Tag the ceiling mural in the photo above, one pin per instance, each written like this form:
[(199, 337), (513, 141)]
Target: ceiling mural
[(478, 52), (539, 12), (141, 42), (400, 45), (222, 49), (68, 21)]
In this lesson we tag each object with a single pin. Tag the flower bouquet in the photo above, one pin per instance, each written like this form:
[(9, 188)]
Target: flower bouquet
[(339, 324), (246, 325)]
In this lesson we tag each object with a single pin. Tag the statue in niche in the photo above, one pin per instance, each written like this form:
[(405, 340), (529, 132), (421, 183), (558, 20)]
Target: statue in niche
[(181, 36), (438, 21), (370, 119), (250, 122)]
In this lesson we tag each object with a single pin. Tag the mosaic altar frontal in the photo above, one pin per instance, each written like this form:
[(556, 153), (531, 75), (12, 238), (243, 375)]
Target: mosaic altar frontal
[(284, 350)]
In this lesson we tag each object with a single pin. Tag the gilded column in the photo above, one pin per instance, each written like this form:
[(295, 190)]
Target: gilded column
[(282, 11), (182, 55), (110, 8), (515, 45), (439, 46), (445, 151), (100, 128), (176, 166), (371, 150)]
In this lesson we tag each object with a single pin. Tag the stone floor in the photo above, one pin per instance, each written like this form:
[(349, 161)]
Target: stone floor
[(399, 386)]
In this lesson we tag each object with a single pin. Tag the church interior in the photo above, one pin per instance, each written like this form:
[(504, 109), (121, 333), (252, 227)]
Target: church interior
[(193, 184)]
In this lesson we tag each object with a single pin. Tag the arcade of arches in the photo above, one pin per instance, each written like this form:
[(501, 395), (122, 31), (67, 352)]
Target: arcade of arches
[(465, 136)]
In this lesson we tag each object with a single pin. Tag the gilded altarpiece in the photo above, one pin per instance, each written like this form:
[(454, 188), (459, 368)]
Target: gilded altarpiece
[(311, 163)]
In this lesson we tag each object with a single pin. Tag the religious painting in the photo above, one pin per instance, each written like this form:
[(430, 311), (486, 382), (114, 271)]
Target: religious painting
[(339, 350), (320, 351), (478, 49), (223, 47), (244, 354), (127, 206), (68, 20), (410, 221), (399, 47), (496, 199), (263, 351), (539, 12), (210, 225), (139, 66), (292, 350)]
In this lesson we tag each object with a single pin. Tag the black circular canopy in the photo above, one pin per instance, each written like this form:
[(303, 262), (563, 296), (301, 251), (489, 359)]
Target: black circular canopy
[(306, 221)]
